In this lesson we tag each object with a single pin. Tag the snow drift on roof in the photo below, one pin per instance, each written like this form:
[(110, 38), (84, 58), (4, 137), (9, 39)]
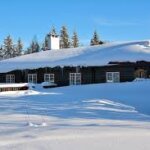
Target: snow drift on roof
[(84, 56)]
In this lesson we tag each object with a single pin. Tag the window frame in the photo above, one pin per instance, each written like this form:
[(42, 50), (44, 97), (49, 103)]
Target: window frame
[(50, 77), (10, 78), (34, 75), (75, 79), (111, 77)]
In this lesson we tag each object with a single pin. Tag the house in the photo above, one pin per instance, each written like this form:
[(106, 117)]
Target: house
[(112, 62)]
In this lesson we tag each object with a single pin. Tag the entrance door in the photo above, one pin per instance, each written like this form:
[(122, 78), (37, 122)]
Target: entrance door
[(140, 73)]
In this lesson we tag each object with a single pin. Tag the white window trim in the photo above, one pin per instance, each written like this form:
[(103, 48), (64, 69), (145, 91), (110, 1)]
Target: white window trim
[(73, 80), (112, 73), (10, 78), (32, 76), (51, 77)]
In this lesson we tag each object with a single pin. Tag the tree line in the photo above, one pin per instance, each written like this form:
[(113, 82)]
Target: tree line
[(9, 49)]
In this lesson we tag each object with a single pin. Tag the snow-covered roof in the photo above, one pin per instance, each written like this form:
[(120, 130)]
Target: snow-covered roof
[(14, 85), (84, 56)]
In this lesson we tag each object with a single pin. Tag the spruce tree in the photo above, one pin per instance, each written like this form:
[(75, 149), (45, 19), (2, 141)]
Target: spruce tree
[(9, 49), (34, 46), (75, 40), (95, 40), (64, 38), (19, 47)]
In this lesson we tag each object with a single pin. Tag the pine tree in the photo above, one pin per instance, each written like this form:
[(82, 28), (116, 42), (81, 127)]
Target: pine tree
[(19, 47), (9, 49), (75, 40), (64, 38), (34, 47), (95, 40)]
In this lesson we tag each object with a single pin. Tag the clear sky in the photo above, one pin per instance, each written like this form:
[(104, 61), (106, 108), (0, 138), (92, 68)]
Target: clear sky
[(114, 20)]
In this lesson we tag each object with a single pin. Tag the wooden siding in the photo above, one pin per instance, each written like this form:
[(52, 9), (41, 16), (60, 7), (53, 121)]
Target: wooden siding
[(89, 75)]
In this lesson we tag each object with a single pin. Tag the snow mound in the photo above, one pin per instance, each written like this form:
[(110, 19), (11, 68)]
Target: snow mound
[(48, 84), (108, 105)]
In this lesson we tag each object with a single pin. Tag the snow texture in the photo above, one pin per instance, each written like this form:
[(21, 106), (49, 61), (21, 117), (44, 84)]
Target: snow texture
[(109, 116)]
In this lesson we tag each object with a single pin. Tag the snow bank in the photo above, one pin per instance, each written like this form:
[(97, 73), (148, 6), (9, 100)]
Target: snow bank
[(85, 56), (113, 116), (48, 84)]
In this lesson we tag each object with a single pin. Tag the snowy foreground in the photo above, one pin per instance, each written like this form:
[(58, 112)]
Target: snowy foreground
[(88, 117)]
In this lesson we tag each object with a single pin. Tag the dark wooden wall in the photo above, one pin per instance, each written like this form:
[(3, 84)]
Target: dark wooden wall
[(89, 75)]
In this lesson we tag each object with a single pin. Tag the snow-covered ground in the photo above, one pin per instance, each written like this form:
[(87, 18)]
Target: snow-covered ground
[(113, 116)]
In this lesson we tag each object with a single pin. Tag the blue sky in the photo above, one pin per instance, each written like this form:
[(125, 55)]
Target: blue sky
[(114, 20)]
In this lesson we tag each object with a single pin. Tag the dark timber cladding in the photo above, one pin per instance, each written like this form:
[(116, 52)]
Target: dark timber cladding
[(128, 71)]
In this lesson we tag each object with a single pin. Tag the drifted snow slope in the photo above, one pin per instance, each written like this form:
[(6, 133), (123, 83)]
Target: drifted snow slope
[(100, 116), (85, 56)]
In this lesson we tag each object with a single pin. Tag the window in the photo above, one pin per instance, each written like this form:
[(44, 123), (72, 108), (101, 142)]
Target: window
[(113, 77), (75, 78), (32, 78), (10, 78), (49, 78)]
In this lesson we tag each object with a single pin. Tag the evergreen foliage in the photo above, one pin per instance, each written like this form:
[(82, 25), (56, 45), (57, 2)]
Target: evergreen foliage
[(75, 40), (19, 47), (9, 48), (95, 40), (64, 38)]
